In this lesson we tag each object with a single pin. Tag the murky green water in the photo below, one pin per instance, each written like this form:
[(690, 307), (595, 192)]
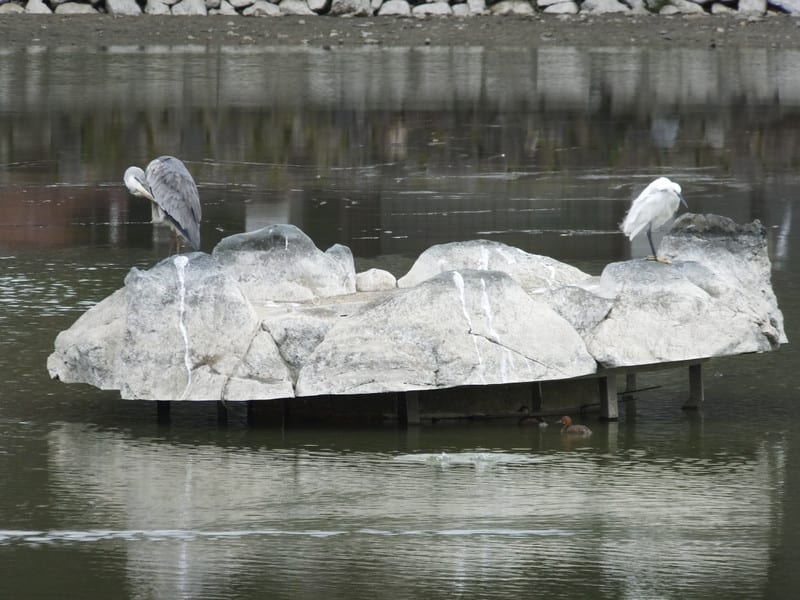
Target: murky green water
[(390, 151)]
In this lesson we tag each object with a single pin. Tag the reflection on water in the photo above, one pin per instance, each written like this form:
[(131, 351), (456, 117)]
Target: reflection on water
[(186, 520), (390, 151)]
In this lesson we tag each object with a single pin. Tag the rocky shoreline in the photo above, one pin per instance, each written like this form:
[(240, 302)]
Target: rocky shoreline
[(21, 31), (420, 8)]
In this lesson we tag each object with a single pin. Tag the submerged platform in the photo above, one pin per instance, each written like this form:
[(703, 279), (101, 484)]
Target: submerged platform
[(268, 316)]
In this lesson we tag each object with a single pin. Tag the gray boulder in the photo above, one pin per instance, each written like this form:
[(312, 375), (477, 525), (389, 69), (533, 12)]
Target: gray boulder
[(196, 340), (190, 7), (752, 7), (458, 328), (88, 352), (394, 7), (601, 7), (512, 7), (261, 8), (375, 280), (123, 7), (790, 6), (37, 7), (531, 271), (156, 7), (281, 263), (715, 299), (350, 8), (74, 8), (10, 8)]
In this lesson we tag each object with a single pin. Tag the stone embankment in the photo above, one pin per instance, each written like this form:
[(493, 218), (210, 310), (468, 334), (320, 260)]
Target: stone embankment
[(420, 8), (268, 315)]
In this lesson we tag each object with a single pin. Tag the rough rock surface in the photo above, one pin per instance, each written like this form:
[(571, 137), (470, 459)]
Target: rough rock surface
[(531, 271), (280, 262), (375, 280), (459, 328), (714, 299), (268, 315)]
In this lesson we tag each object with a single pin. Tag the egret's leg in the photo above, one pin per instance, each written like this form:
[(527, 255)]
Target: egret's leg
[(655, 256)]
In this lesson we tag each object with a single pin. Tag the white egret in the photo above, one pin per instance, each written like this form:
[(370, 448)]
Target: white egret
[(656, 205), (170, 188)]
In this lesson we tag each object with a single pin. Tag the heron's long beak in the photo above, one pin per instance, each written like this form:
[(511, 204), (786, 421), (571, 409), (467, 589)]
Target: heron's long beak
[(683, 200)]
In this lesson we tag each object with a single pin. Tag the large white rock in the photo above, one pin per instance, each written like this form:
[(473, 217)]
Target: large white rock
[(296, 7), (531, 271), (681, 7), (375, 280), (123, 7), (190, 7), (722, 9), (715, 299), (433, 8), (478, 312), (157, 7), (37, 7), (224, 8), (351, 8), (262, 8), (395, 7), (600, 7), (459, 328), (281, 263), (73, 8), (10, 8), (790, 6), (752, 7), (88, 352), (477, 7), (562, 8), (512, 7)]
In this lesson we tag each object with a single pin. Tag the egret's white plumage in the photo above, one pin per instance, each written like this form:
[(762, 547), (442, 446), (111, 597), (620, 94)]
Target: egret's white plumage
[(656, 205), (170, 187)]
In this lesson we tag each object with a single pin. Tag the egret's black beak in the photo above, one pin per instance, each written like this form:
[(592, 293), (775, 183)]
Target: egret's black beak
[(683, 200)]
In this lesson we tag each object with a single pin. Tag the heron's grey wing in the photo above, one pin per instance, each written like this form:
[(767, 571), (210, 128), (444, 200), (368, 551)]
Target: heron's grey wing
[(175, 192)]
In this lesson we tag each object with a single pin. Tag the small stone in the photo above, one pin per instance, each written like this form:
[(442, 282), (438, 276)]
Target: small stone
[(73, 8), (512, 7), (395, 7), (190, 7), (434, 8), (601, 7), (37, 7), (261, 8), (225, 8), (562, 8), (375, 280), (156, 7), (10, 8), (351, 8), (123, 7), (682, 7), (295, 7), (752, 7)]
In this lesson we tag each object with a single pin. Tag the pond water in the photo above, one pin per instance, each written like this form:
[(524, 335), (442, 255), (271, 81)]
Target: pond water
[(390, 151)]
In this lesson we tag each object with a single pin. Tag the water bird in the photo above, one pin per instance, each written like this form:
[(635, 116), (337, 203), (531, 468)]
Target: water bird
[(528, 419), (656, 205), (172, 192), (573, 429)]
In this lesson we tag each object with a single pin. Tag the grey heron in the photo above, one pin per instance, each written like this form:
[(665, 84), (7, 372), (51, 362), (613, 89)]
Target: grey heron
[(173, 195), (656, 205)]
